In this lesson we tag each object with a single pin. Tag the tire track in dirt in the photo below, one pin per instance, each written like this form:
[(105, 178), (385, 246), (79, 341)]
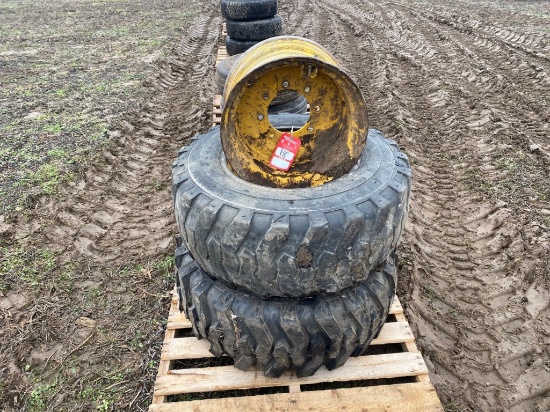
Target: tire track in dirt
[(297, 17), (502, 73), (121, 208), (469, 263), (477, 123), (117, 214), (500, 24)]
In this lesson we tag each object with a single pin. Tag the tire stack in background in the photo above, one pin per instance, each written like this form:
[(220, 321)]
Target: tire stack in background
[(248, 22)]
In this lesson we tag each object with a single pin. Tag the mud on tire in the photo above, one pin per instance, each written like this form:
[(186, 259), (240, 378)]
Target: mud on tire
[(295, 243), (281, 335), (255, 29), (235, 46), (248, 9)]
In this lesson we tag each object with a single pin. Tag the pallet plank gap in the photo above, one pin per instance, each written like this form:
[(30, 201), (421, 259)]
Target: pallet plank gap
[(211, 379), (191, 348)]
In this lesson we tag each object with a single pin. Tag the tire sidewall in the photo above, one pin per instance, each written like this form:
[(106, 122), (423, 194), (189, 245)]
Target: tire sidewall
[(207, 168)]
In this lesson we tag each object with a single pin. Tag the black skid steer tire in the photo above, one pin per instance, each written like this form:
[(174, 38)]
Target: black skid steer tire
[(285, 334), (248, 9), (222, 71), (255, 29), (296, 243), (297, 105), (234, 46)]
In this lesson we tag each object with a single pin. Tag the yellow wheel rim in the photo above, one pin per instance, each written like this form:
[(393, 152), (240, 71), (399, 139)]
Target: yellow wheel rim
[(332, 139)]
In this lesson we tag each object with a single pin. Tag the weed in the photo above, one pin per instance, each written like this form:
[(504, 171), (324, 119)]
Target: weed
[(27, 266), (38, 399), (137, 341), (103, 400), (57, 153), (477, 181), (94, 294), (165, 267), (6, 154), (453, 314), (104, 405), (65, 279), (158, 185), (507, 163), (46, 177), (53, 128), (429, 292)]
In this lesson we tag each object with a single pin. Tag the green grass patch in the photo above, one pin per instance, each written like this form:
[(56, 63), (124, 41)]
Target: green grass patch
[(38, 399), (28, 266), (70, 72), (46, 178)]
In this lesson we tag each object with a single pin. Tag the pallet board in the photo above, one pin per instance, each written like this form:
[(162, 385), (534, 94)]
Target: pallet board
[(404, 362), (222, 54), (217, 110), (407, 397)]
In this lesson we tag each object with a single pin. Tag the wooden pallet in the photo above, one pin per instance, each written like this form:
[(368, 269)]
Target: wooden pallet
[(222, 54), (396, 360), (217, 110)]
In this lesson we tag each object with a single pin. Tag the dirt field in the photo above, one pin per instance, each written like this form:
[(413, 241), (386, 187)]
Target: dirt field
[(463, 86)]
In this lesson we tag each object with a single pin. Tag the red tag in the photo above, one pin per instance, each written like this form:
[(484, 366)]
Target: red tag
[(285, 152)]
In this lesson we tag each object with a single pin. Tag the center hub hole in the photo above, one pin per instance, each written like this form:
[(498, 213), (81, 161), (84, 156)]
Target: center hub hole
[(290, 108)]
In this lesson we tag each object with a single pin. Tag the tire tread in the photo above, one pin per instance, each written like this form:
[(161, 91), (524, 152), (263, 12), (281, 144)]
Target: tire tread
[(281, 335)]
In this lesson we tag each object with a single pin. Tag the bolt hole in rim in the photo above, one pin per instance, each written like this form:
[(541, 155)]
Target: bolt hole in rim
[(333, 136)]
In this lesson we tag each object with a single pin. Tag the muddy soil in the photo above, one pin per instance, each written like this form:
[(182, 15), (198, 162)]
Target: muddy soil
[(463, 86), (86, 273)]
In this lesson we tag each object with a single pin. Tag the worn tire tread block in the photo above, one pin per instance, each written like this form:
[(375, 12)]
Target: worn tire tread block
[(254, 29), (285, 334), (248, 9)]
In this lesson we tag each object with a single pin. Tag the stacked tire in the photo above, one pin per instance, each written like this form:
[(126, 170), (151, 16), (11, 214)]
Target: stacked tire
[(249, 22), (288, 279)]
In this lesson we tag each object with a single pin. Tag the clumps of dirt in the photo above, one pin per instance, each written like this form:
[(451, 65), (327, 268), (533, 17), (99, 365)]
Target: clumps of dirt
[(304, 257), (7, 231)]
